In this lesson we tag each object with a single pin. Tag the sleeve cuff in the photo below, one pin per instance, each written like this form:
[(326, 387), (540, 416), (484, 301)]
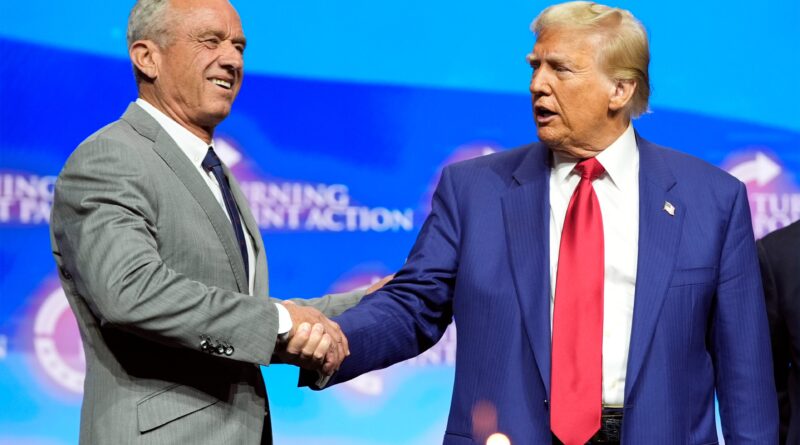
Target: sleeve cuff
[(284, 322), (322, 380)]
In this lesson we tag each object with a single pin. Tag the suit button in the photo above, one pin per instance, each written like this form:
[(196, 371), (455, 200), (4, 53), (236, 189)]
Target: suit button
[(204, 345), (229, 351), (66, 274), (220, 349)]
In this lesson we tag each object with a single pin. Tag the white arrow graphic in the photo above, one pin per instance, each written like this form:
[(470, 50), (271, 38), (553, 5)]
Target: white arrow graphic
[(762, 170)]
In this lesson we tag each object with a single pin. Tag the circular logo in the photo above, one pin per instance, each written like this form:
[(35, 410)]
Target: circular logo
[(57, 342)]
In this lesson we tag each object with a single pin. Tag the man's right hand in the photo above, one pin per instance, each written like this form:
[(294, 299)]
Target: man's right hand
[(314, 342)]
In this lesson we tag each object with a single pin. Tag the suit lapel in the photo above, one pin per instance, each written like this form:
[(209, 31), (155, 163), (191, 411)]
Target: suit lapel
[(526, 215), (172, 155), (659, 237)]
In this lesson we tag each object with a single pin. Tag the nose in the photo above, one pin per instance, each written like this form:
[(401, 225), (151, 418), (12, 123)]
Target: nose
[(539, 83), (231, 58)]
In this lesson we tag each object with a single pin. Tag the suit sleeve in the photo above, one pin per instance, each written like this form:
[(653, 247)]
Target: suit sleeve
[(409, 314), (332, 305), (740, 338), (779, 334), (105, 235)]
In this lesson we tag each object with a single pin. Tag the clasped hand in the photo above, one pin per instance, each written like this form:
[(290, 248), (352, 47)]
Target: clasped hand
[(314, 342)]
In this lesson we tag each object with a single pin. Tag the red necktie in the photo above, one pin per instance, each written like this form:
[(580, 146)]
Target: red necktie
[(576, 375)]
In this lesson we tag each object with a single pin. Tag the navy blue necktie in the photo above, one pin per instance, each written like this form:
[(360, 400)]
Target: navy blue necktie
[(213, 164)]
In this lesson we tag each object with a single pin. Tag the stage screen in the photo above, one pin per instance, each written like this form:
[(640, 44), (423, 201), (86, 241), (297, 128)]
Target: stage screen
[(348, 112)]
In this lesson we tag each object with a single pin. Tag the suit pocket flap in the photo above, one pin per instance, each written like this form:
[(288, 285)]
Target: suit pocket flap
[(697, 275), (170, 404)]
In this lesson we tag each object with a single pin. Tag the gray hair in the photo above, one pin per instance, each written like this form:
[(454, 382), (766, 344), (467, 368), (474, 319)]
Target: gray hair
[(148, 21), (624, 51)]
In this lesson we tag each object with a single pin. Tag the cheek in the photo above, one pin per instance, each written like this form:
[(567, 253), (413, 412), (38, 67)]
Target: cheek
[(592, 103), (584, 109), (197, 67), (599, 95), (573, 104)]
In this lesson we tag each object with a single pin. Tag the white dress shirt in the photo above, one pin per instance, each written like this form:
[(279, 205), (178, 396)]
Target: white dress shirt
[(617, 192), (195, 149)]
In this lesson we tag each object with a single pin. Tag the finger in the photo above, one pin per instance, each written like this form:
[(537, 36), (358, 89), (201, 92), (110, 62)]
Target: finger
[(336, 335), (332, 362), (317, 332), (299, 339), (343, 347), (334, 329), (341, 339), (329, 368), (322, 348)]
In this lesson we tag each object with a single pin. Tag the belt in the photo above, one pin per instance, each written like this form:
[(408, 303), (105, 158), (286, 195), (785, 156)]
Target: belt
[(610, 428), (610, 432)]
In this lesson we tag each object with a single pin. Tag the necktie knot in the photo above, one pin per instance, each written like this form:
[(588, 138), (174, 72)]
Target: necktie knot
[(590, 169), (211, 160)]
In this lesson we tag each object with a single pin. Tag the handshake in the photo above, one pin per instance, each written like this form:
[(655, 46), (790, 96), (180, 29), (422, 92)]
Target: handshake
[(315, 342)]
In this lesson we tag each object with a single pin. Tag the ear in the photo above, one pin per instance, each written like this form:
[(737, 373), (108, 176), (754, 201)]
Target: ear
[(146, 56), (621, 94)]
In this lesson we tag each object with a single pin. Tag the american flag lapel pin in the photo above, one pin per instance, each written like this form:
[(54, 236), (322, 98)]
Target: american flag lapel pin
[(669, 208)]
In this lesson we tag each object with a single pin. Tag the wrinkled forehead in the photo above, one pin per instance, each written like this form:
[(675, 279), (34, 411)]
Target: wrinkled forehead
[(218, 13)]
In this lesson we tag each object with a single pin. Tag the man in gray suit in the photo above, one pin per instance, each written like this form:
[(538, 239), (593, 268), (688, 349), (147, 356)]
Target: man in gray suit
[(161, 259)]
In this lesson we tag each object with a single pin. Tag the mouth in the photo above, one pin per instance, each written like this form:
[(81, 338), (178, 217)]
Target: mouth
[(543, 114), (222, 83)]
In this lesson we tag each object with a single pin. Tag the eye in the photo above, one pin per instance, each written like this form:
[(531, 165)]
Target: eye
[(561, 69), (239, 48), (211, 42)]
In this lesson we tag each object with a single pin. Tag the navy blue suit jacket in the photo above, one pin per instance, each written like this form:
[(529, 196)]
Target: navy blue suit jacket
[(482, 258)]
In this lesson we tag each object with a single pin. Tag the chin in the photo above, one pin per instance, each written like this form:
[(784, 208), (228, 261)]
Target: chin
[(547, 136), (218, 113), (211, 120)]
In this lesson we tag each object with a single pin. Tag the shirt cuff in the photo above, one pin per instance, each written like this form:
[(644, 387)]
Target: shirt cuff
[(322, 380), (284, 322)]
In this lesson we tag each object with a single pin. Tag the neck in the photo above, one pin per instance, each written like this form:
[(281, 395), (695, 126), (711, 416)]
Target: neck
[(601, 140), (205, 133)]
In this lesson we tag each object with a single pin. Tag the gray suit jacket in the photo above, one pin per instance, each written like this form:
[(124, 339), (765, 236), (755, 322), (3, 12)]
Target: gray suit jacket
[(151, 267)]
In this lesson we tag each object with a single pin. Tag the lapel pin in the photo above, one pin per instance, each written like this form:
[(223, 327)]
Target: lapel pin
[(669, 208)]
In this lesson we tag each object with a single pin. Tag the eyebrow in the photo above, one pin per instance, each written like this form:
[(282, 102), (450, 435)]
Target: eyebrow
[(242, 40), (556, 59)]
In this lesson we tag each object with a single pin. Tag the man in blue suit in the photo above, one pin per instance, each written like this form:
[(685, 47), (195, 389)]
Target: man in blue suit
[(604, 287)]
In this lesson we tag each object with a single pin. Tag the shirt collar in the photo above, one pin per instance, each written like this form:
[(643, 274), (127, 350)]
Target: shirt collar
[(620, 160), (192, 146)]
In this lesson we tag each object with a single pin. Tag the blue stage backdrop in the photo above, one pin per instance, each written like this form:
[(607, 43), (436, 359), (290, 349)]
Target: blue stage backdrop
[(348, 113)]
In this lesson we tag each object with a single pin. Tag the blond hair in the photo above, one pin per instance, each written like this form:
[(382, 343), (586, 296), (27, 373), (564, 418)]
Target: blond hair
[(624, 50)]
